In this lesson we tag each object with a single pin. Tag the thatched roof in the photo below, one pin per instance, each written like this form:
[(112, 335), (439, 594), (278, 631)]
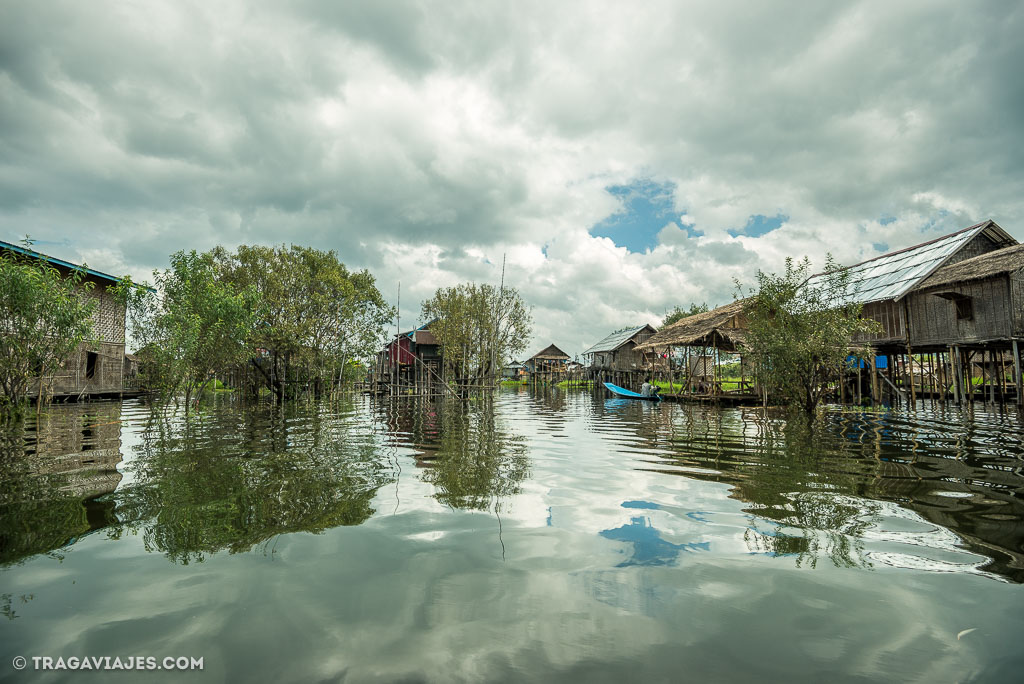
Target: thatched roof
[(726, 322), (549, 352), (987, 265)]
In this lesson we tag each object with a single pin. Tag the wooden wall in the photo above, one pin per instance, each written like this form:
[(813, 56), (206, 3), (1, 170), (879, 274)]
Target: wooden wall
[(72, 378), (933, 319), (889, 315), (1017, 298)]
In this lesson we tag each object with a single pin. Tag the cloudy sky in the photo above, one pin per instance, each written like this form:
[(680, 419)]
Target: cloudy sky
[(622, 157)]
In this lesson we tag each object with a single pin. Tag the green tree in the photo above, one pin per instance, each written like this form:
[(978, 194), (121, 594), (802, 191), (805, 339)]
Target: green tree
[(800, 330), (44, 317), (197, 326), (679, 313), (479, 327), (316, 315)]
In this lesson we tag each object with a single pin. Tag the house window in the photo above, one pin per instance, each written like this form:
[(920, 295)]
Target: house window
[(90, 365), (964, 309)]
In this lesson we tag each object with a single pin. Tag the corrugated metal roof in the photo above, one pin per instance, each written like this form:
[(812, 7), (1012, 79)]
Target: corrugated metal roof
[(615, 340), (893, 275), (59, 262)]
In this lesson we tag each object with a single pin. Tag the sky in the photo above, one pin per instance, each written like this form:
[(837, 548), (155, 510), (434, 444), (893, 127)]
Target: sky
[(619, 158)]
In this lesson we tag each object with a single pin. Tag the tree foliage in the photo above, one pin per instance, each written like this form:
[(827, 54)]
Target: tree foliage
[(800, 334), (479, 327), (198, 325), (44, 317), (679, 313), (316, 316)]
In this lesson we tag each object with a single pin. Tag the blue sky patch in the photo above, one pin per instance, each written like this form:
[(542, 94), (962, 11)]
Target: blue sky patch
[(647, 206), (759, 224), (886, 220)]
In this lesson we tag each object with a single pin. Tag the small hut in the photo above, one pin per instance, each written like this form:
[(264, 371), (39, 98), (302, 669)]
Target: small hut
[(551, 359), (513, 371), (410, 357), (617, 351), (696, 345)]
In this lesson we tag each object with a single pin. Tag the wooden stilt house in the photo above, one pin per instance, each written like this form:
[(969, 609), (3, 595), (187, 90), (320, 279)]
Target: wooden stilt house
[(618, 351), (548, 361), (96, 368)]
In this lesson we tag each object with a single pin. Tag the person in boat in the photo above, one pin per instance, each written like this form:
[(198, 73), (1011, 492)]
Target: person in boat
[(648, 390)]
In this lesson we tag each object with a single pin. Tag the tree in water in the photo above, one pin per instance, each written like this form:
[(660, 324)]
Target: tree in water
[(479, 327), (198, 325), (316, 317), (800, 331)]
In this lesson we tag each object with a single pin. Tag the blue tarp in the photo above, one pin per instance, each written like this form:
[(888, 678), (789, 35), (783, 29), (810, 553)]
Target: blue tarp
[(880, 362)]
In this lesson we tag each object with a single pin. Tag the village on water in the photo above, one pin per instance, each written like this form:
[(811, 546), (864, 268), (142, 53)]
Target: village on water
[(941, 321)]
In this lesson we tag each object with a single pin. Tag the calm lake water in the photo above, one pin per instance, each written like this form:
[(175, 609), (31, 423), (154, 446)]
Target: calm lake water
[(559, 536)]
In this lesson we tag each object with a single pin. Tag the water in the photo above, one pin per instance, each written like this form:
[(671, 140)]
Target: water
[(536, 537)]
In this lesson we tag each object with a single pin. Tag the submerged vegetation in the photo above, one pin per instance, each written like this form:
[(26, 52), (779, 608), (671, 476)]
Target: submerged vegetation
[(286, 320), (479, 327), (799, 334)]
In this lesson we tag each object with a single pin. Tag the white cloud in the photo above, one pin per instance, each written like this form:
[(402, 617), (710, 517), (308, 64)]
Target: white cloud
[(425, 142)]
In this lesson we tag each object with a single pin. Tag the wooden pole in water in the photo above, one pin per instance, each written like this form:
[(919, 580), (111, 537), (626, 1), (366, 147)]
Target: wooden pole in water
[(1016, 372), (954, 370), (876, 390), (1002, 377), (992, 376)]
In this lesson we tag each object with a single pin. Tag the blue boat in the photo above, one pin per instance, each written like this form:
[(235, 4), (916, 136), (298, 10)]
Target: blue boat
[(623, 392)]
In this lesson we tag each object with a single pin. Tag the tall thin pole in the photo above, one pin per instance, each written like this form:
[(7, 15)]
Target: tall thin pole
[(398, 338)]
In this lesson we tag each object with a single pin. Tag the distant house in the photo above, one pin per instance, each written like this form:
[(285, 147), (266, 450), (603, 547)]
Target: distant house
[(406, 348), (513, 371), (551, 359), (97, 366), (618, 351)]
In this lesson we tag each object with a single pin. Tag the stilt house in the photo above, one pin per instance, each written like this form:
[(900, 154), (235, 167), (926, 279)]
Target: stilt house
[(96, 368), (551, 359), (618, 350)]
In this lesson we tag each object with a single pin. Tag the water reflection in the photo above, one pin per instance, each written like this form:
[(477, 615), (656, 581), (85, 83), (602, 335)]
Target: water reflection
[(54, 471), (934, 480), (935, 489), (232, 481)]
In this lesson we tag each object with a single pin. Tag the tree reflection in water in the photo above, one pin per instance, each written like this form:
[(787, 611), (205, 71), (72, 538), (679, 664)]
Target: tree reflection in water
[(467, 453), (892, 477), (224, 480), (201, 489)]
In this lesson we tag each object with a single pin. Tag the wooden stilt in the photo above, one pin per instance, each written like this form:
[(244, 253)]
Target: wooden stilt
[(954, 364), (1016, 372)]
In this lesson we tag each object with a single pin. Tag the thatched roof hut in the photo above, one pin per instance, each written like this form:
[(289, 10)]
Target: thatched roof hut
[(547, 359), (549, 353), (724, 328)]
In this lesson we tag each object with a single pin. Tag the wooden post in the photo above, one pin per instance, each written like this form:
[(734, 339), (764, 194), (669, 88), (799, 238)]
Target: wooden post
[(992, 376), (860, 381), (954, 363), (910, 374), (1002, 377), (875, 389), (1016, 372)]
